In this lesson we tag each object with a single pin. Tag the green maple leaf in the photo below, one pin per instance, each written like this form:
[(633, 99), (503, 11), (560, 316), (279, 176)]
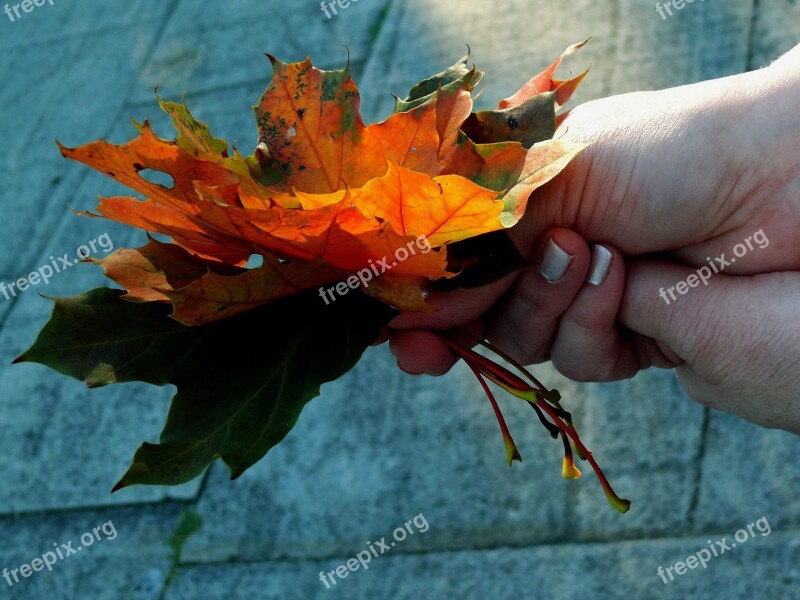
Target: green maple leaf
[(242, 382)]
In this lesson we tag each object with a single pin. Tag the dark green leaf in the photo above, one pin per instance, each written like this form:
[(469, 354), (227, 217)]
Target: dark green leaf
[(456, 77), (242, 382)]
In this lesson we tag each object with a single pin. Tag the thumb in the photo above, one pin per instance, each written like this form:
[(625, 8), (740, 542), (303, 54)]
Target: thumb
[(739, 336)]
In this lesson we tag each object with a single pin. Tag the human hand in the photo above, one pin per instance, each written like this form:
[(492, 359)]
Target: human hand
[(687, 173)]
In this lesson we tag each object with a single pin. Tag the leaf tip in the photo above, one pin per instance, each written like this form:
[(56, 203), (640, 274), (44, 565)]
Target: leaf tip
[(119, 485), (63, 149)]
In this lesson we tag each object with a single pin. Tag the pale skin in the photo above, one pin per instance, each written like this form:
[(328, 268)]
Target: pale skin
[(671, 178)]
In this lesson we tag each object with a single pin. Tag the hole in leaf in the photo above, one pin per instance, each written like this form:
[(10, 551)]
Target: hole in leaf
[(159, 178), (255, 261)]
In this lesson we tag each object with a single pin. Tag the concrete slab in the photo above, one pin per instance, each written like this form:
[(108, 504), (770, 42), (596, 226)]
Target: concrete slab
[(129, 557), (378, 447), (763, 567), (205, 48)]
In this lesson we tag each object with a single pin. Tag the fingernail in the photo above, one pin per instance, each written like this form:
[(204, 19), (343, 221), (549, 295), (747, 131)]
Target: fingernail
[(426, 289), (599, 265), (555, 262)]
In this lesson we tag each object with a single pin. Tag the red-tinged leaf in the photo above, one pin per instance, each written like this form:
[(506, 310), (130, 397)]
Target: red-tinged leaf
[(544, 82), (146, 270), (214, 296), (531, 122), (529, 116), (309, 121), (409, 139), (203, 291), (379, 210), (155, 217), (508, 168), (339, 202), (124, 164), (352, 244)]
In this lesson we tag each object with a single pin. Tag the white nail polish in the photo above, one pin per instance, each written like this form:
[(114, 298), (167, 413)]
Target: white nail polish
[(555, 262), (599, 265)]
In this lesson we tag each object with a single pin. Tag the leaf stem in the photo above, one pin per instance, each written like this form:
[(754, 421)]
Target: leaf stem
[(543, 401), (512, 453)]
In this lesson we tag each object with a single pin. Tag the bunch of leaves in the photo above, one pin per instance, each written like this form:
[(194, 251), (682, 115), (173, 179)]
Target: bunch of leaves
[(322, 198)]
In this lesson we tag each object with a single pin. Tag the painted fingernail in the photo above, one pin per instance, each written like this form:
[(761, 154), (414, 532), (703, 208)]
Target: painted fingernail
[(599, 265), (555, 262), (426, 289)]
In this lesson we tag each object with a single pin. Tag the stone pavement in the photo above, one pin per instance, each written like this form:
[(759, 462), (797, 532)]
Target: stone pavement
[(379, 447)]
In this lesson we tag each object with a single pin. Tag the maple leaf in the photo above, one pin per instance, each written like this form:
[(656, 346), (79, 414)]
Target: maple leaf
[(235, 400), (323, 199), (528, 116), (202, 291), (323, 188)]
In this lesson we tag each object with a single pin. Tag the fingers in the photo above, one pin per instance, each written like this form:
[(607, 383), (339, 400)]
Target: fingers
[(739, 336), (573, 320), (454, 308), (588, 345), (526, 320), (564, 308), (419, 351)]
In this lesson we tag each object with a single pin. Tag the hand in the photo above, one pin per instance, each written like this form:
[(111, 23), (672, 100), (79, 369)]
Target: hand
[(687, 173)]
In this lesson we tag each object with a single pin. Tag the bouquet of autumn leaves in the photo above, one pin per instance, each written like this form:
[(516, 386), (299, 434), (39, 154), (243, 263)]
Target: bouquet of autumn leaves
[(322, 198)]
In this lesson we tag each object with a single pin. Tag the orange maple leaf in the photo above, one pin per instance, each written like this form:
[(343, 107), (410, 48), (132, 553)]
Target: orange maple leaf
[(323, 196)]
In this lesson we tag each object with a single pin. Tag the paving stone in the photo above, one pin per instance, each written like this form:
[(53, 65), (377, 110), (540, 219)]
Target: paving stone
[(60, 83), (647, 433), (632, 48), (763, 567), (380, 447), (205, 48), (704, 40), (777, 30), (129, 557), (747, 473), (66, 445), (89, 20)]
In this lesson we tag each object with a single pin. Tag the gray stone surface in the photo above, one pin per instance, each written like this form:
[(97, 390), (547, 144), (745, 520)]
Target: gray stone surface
[(129, 557), (206, 48), (762, 567), (378, 447)]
